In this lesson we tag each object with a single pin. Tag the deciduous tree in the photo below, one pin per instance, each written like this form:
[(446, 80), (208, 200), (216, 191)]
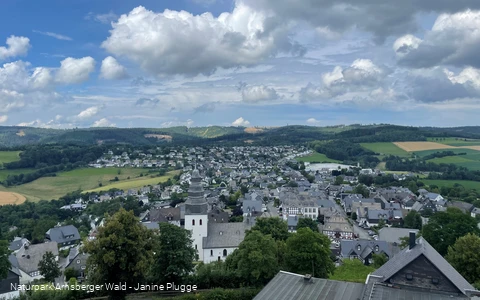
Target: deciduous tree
[(307, 223), (122, 252), (309, 252), (4, 262), (444, 228), (48, 267), (275, 227), (413, 220), (174, 254), (464, 256), (255, 259)]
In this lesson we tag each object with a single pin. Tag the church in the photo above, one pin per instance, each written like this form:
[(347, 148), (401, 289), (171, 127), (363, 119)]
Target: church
[(213, 241)]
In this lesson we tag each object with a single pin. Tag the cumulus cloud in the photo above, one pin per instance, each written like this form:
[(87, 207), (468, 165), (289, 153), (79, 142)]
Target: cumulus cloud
[(385, 18), (102, 18), (104, 122), (111, 69), (89, 112), (257, 93), (75, 70), (54, 123), (16, 46), (20, 82), (147, 102), (240, 122), (3, 119), (362, 75), (54, 35), (187, 123), (240, 38), (313, 121), (453, 40)]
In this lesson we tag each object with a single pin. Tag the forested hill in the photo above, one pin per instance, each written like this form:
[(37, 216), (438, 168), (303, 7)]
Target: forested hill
[(15, 136)]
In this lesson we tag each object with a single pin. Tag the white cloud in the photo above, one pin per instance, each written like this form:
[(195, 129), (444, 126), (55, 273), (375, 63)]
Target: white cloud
[(54, 35), (111, 69), (453, 40), (102, 18), (75, 70), (206, 43), (50, 124), (88, 113), (468, 76), (257, 93), (104, 122), (3, 119), (313, 121), (16, 46), (241, 122)]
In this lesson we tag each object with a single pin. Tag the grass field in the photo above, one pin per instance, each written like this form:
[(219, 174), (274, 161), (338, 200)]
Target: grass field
[(385, 149), (471, 154), (4, 173), (421, 146), (352, 270), (49, 188), (317, 158), (130, 184), (467, 184), (9, 156), (7, 198)]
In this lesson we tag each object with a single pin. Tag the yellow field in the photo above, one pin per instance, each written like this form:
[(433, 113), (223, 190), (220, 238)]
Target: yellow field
[(421, 146), (471, 147), (7, 198)]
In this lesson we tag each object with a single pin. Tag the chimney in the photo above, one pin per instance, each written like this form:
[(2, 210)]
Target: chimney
[(307, 278), (412, 240)]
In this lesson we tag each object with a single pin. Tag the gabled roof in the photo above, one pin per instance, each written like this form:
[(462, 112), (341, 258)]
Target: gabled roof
[(402, 259), (290, 286), (60, 234)]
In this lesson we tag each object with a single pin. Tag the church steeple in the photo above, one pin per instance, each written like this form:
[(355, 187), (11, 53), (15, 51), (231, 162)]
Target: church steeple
[(196, 204)]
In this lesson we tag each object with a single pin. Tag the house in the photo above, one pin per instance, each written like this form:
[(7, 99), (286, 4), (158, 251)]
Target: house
[(170, 215), (28, 258), (394, 235), (463, 206), (337, 227), (289, 286), (363, 249), (17, 244), (65, 236), (389, 216), (292, 222), (420, 272), (222, 240), (77, 260), (13, 278), (218, 216), (252, 206)]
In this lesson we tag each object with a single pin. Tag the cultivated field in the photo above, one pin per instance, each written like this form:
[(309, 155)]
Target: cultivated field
[(9, 156), (457, 142), (7, 198), (421, 146), (467, 184), (317, 158), (48, 188), (385, 149), (131, 184)]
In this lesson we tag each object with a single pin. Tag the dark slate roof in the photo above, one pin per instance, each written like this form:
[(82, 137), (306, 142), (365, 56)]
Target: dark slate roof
[(17, 243), (366, 247), (393, 235), (402, 259), (378, 291), (292, 221), (151, 225), (225, 235), (59, 234), (29, 258), (162, 215), (251, 206), (14, 267), (289, 286)]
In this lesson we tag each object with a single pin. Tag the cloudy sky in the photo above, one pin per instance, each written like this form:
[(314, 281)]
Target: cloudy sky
[(151, 63)]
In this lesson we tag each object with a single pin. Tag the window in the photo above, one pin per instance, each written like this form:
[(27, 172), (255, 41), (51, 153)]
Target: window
[(195, 246), (359, 247), (409, 276), (83, 267), (200, 221), (435, 281), (224, 252), (193, 222), (377, 248), (78, 261), (211, 252)]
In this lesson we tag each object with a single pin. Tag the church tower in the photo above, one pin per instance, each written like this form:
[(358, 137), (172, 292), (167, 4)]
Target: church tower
[(196, 212)]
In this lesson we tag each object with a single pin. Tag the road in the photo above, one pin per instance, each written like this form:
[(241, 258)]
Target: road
[(362, 233), (271, 210)]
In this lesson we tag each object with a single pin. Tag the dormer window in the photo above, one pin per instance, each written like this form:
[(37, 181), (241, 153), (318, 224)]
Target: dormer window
[(377, 248), (359, 248)]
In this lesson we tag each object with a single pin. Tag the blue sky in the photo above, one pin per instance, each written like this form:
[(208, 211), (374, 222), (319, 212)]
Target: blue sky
[(84, 63)]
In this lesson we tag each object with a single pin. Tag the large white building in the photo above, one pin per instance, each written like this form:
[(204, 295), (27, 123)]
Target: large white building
[(213, 241)]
